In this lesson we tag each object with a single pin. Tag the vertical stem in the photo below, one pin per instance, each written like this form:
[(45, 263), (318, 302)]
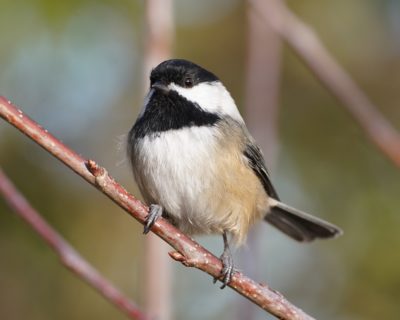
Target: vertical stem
[(262, 83), (261, 113), (159, 37), (158, 273)]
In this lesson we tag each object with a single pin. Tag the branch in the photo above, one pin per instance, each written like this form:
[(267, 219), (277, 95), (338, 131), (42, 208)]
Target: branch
[(309, 48), (68, 256), (188, 252)]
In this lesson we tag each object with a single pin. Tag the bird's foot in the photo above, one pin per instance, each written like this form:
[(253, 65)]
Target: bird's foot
[(227, 269), (155, 211), (227, 264)]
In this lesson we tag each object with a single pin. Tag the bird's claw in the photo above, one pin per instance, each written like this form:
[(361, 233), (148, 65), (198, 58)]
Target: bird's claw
[(227, 269), (155, 211)]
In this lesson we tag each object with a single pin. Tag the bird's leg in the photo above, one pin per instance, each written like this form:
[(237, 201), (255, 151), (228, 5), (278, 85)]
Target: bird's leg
[(155, 211), (227, 263)]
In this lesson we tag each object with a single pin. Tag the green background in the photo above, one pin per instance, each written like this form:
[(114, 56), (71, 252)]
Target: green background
[(76, 68)]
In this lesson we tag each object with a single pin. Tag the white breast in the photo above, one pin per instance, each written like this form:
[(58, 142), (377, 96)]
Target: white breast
[(175, 169)]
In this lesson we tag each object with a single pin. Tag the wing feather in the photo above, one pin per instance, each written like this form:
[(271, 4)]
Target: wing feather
[(256, 161)]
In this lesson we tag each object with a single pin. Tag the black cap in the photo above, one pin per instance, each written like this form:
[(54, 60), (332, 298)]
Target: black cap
[(182, 72)]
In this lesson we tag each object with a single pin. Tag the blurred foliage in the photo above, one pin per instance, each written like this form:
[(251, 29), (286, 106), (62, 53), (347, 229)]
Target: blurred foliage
[(75, 67)]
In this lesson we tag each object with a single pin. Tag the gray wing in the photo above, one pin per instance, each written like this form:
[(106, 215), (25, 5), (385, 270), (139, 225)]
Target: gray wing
[(256, 161)]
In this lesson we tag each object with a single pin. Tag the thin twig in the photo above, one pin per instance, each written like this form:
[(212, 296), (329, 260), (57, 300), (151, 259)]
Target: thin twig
[(188, 252), (303, 40), (68, 256)]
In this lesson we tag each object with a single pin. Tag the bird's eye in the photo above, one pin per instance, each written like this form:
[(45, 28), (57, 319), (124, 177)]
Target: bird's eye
[(188, 82)]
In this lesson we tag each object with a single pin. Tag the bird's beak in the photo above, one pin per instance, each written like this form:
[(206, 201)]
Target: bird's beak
[(160, 87)]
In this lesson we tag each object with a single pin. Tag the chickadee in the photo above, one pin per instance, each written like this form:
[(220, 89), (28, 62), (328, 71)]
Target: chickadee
[(197, 165)]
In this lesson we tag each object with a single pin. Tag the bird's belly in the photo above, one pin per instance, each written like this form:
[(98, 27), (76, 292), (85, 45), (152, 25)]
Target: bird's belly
[(176, 172), (204, 189)]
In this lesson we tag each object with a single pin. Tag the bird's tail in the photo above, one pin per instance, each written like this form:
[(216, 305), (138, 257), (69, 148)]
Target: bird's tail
[(299, 225)]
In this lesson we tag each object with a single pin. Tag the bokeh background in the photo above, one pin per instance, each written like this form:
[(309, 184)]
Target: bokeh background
[(76, 67)]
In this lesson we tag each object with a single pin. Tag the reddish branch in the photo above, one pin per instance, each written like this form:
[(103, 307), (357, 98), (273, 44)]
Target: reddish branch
[(188, 252), (68, 256), (309, 48)]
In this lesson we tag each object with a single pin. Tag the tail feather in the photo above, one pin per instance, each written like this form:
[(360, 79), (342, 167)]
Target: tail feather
[(299, 225)]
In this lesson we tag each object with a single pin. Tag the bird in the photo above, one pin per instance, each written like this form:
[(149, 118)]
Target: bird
[(197, 165)]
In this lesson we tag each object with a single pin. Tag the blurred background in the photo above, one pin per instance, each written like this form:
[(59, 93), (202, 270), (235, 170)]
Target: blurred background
[(77, 68)]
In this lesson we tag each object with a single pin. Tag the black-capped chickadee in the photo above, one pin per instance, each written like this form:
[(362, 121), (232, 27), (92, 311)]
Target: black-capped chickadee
[(197, 165)]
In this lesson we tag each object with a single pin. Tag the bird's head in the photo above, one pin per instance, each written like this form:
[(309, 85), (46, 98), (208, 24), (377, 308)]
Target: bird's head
[(182, 80)]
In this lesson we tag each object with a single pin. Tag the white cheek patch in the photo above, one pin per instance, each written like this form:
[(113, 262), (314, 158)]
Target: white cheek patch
[(210, 96)]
